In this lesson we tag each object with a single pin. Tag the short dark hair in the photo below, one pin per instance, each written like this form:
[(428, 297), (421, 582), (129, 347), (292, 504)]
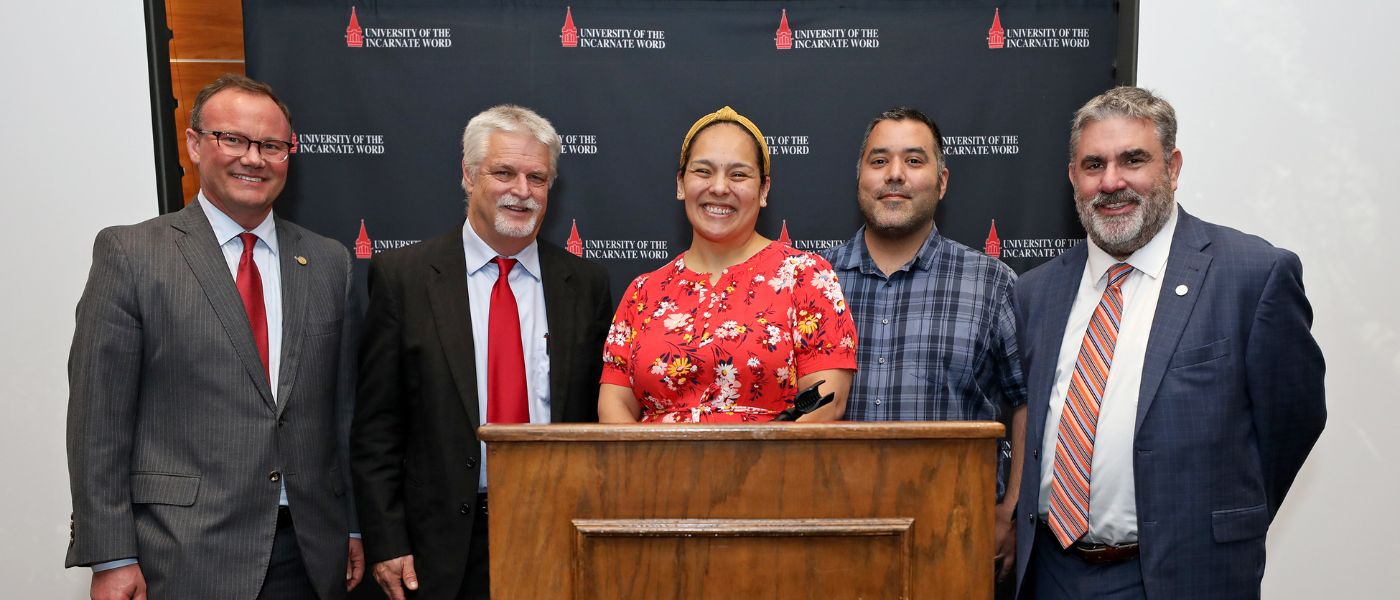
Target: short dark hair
[(233, 81), (900, 113)]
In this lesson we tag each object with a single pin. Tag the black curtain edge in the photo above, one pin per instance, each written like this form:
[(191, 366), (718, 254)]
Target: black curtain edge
[(167, 151)]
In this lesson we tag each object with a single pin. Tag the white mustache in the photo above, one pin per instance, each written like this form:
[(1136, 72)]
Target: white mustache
[(514, 202)]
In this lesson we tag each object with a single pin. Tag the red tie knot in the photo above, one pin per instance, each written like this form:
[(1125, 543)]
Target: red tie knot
[(249, 240), (505, 265)]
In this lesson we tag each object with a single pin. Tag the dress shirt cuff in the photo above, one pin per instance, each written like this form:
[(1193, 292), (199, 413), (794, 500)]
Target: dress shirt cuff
[(356, 536), (113, 564)]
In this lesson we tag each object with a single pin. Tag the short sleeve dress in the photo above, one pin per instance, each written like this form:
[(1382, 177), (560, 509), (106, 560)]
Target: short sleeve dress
[(732, 351)]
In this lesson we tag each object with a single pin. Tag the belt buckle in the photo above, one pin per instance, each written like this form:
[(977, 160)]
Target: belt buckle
[(1098, 554)]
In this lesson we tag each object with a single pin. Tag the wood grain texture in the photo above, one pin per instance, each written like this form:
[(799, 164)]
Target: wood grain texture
[(203, 30), (773, 511)]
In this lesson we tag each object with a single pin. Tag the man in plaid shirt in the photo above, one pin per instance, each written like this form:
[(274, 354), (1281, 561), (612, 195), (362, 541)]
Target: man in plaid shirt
[(937, 331)]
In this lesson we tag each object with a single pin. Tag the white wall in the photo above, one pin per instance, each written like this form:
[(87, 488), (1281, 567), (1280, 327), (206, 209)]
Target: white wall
[(1285, 109), (76, 156), (1287, 114)]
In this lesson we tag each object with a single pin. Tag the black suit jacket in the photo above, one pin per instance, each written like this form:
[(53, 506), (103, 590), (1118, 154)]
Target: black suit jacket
[(415, 455)]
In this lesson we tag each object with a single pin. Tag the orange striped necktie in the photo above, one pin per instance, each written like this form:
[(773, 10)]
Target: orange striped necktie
[(1074, 448)]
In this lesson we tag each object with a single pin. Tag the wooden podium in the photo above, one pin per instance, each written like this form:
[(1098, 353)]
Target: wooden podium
[(784, 511)]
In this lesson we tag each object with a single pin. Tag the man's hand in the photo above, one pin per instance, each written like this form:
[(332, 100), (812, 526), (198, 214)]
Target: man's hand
[(354, 564), (1006, 540), (396, 574), (121, 583)]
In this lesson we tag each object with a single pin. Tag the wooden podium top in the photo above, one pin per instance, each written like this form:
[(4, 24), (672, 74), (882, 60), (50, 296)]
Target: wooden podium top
[(840, 430)]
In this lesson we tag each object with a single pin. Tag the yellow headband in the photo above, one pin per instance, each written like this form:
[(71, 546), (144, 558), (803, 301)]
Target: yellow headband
[(728, 115)]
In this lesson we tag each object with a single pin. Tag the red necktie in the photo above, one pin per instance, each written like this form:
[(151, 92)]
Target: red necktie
[(1068, 516), (505, 359), (250, 288)]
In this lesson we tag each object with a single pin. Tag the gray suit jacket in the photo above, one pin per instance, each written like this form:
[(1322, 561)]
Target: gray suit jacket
[(173, 434)]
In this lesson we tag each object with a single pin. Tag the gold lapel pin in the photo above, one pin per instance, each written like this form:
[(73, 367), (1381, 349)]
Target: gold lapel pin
[(301, 260)]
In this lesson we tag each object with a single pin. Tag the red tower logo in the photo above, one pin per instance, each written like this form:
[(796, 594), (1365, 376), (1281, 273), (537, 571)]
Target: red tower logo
[(784, 34), (575, 244), (363, 248), (993, 245), (294, 143), (783, 236), (568, 35), (354, 36), (996, 36)]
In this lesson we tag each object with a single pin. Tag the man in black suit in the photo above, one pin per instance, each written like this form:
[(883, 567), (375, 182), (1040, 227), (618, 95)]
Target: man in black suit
[(485, 324)]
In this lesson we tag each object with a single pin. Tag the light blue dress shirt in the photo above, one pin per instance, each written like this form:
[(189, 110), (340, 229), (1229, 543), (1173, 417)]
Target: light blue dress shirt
[(528, 288)]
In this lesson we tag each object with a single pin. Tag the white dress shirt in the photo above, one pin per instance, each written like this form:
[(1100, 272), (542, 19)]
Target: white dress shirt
[(528, 288), (1112, 500)]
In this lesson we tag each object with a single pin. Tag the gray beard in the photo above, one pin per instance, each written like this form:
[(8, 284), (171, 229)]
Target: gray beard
[(1121, 236), (509, 229)]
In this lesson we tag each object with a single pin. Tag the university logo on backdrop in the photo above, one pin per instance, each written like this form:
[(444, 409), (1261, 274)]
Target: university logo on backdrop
[(338, 143), (613, 251), (832, 38), (365, 248), (395, 37), (621, 38), (999, 37), (999, 248), (806, 245)]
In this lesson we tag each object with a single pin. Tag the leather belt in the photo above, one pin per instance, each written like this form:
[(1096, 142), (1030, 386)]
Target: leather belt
[(1102, 554), (1097, 554)]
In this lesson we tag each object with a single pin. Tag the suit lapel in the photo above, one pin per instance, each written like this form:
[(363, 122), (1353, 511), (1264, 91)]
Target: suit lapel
[(1062, 285), (206, 261), (1186, 265), (294, 283), (558, 291), (447, 293)]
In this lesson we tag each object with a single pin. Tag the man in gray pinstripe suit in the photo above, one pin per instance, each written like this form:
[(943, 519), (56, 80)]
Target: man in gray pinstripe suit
[(211, 380)]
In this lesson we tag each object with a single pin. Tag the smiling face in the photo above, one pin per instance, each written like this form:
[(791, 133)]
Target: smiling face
[(900, 181), (721, 185), (243, 187), (507, 194), (1124, 183)]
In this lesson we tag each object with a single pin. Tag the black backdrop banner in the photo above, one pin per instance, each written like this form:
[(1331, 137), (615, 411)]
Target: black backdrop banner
[(380, 93)]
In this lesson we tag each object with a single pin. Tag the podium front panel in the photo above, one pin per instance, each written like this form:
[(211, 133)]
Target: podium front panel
[(760, 511)]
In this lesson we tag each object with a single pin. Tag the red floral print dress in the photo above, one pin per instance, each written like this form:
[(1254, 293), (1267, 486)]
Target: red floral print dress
[(732, 351)]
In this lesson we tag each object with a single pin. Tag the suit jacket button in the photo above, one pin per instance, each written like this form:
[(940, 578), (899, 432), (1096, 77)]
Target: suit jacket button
[(471, 463), (274, 476), (1030, 518), (465, 509)]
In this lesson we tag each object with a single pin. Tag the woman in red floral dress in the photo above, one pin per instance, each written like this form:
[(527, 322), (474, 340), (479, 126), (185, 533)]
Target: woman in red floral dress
[(735, 326)]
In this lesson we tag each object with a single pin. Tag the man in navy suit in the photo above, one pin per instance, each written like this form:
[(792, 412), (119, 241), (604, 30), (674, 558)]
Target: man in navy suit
[(1174, 386)]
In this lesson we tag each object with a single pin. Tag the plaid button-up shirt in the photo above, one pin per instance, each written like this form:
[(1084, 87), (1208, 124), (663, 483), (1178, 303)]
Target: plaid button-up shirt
[(937, 337)]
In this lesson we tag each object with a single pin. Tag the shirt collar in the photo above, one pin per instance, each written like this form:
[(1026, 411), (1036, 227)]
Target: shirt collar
[(859, 255), (1150, 259), (478, 254), (225, 229)]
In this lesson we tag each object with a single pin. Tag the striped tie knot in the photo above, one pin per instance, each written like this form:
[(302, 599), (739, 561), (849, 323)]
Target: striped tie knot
[(1117, 273)]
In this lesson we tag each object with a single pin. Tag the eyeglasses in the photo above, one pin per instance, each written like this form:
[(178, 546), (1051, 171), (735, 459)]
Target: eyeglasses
[(234, 144)]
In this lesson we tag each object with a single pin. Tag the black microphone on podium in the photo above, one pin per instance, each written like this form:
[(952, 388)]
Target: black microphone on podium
[(807, 400)]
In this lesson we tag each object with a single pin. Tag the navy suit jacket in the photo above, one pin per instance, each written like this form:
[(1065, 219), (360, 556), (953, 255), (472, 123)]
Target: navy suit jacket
[(1230, 405)]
